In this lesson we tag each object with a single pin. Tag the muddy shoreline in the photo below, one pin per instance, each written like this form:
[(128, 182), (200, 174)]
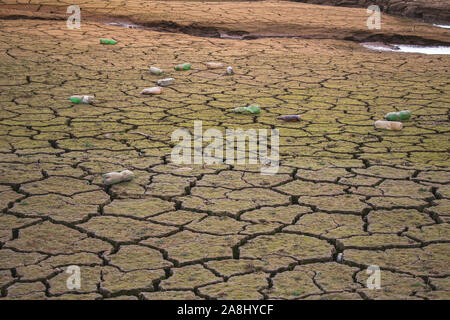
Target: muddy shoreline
[(432, 11), (216, 30)]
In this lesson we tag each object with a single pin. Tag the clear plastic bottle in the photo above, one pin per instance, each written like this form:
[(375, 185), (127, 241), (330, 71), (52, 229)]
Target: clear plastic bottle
[(165, 82), (152, 90), (214, 65), (388, 125)]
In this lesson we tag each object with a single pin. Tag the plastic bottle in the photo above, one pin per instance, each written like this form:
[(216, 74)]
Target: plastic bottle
[(152, 90), (155, 70), (108, 41), (290, 118), (214, 65), (82, 99), (252, 109), (388, 125), (117, 177), (396, 116), (183, 66), (165, 82), (230, 70)]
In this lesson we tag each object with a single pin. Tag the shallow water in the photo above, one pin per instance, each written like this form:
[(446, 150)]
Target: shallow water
[(406, 48), (126, 25), (442, 26)]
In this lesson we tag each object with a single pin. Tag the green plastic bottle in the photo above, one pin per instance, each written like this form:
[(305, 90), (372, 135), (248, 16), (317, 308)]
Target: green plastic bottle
[(252, 109), (76, 100), (396, 116), (108, 41), (82, 99), (183, 66)]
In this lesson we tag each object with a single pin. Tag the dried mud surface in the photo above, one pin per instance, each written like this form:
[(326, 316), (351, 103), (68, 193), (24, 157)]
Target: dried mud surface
[(428, 10), (223, 231)]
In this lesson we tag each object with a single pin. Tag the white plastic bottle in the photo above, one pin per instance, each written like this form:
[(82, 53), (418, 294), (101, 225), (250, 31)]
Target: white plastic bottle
[(156, 70), (116, 177)]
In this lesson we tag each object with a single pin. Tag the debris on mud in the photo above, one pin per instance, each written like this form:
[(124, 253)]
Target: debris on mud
[(396, 116), (156, 71), (108, 41), (252, 109), (289, 118), (214, 65), (152, 90), (165, 82), (388, 125), (117, 177), (182, 66), (82, 99)]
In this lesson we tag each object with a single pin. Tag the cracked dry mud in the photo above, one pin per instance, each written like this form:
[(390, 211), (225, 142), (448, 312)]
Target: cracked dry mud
[(222, 231)]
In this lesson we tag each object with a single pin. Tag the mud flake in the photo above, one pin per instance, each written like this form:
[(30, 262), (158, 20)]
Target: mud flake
[(275, 214), (189, 277), (123, 229), (133, 257), (61, 185), (339, 203), (55, 238), (238, 287), (288, 245), (140, 208), (189, 246)]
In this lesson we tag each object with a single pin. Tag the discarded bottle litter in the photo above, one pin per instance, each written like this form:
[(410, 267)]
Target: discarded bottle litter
[(289, 118), (183, 66), (252, 109), (117, 177), (152, 90), (340, 256), (230, 70), (396, 116), (156, 70), (165, 82), (214, 65), (388, 125), (82, 99), (108, 41)]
